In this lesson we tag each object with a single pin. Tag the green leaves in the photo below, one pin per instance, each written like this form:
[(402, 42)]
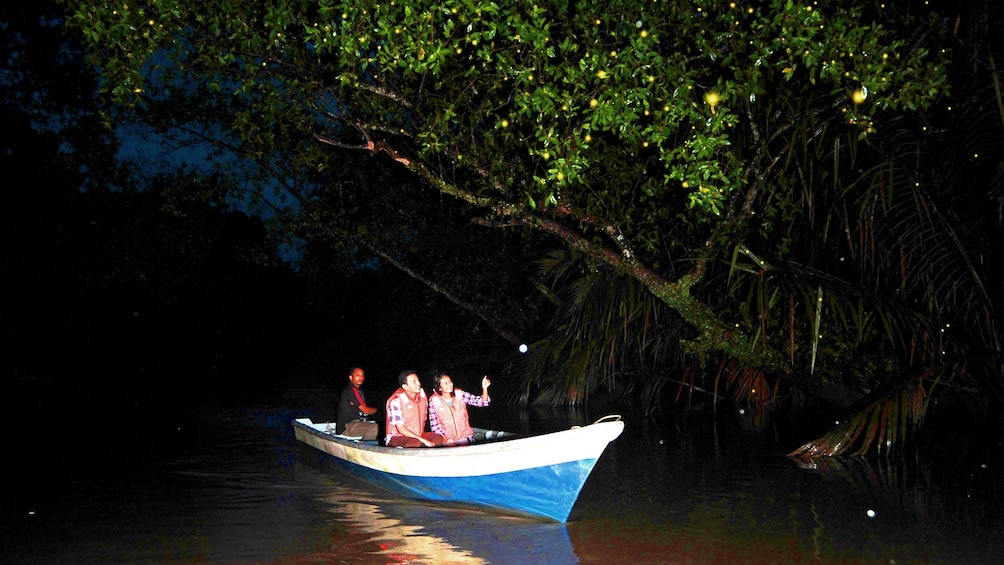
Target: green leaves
[(653, 136), (636, 75)]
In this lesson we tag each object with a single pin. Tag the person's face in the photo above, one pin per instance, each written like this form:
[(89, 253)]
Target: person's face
[(445, 384), (413, 385), (357, 377)]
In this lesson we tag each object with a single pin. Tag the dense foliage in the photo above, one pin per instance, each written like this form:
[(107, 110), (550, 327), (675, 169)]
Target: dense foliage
[(751, 191)]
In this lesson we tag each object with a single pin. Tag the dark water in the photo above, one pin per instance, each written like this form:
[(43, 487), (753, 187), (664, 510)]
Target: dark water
[(234, 486)]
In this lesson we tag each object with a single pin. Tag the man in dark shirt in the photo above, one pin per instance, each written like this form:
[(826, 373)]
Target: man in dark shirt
[(352, 407)]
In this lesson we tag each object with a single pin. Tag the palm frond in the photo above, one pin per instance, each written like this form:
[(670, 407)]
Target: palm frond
[(604, 326), (882, 424)]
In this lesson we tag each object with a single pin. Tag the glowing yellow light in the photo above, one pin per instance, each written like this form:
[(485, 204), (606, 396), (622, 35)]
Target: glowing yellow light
[(505, 123), (593, 103), (712, 99), (859, 96)]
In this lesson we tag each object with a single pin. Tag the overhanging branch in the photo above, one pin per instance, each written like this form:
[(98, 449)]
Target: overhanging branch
[(505, 333)]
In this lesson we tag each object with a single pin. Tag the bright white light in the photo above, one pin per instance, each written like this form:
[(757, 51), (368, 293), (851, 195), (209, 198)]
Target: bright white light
[(870, 513), (523, 348)]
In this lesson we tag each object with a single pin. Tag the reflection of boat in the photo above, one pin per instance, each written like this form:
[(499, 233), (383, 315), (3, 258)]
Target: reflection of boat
[(399, 531), (396, 540), (538, 476)]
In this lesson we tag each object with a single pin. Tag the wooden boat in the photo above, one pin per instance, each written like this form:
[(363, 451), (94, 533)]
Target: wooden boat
[(538, 476)]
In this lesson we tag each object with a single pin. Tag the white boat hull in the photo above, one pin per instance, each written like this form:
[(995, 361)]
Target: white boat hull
[(539, 476)]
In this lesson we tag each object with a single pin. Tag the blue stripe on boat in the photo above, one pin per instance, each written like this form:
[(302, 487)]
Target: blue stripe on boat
[(516, 491)]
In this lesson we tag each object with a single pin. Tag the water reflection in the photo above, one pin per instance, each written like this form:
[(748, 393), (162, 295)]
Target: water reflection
[(240, 489), (398, 541), (721, 495), (403, 531)]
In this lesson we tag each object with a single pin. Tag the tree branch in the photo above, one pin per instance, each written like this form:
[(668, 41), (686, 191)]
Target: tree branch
[(505, 333)]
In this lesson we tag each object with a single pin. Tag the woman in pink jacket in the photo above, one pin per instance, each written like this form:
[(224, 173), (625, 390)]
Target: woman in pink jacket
[(448, 409)]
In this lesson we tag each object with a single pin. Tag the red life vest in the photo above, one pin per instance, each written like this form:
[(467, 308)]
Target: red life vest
[(413, 413), (453, 417)]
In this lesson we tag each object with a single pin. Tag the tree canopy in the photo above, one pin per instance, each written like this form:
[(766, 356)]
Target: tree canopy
[(757, 169)]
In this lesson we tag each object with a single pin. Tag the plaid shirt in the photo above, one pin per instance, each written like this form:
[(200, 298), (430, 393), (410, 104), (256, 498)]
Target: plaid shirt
[(395, 416), (460, 395), (395, 413)]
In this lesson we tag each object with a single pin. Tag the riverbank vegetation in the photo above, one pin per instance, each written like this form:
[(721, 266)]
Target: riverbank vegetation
[(787, 208)]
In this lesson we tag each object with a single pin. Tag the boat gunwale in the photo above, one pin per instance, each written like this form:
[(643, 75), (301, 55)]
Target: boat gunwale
[(517, 441)]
